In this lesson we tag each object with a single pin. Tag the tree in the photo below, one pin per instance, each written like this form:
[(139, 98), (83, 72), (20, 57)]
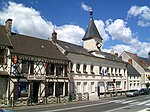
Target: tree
[(147, 85)]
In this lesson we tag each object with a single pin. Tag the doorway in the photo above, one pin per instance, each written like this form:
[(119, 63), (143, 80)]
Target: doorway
[(35, 91)]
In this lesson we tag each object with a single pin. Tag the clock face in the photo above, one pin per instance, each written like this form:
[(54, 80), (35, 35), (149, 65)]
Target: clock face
[(98, 45)]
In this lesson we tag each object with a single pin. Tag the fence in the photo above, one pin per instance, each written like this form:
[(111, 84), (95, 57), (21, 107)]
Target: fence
[(52, 100), (112, 94), (42, 100)]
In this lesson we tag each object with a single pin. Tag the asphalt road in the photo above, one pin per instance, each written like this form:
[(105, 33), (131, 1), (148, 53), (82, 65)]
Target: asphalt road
[(122, 104)]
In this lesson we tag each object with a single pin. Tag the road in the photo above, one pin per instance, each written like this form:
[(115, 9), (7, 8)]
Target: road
[(122, 104)]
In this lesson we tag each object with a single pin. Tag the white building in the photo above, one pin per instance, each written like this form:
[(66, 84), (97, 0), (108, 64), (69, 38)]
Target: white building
[(92, 70), (142, 65)]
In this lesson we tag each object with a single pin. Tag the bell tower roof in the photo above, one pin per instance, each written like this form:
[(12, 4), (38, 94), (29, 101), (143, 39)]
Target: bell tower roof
[(91, 30)]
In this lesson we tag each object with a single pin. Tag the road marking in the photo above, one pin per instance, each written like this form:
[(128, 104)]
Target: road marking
[(144, 102), (114, 110), (71, 108), (147, 104), (128, 101), (134, 103), (144, 110)]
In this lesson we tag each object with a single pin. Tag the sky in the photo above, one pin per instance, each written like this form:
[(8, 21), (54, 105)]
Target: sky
[(123, 24)]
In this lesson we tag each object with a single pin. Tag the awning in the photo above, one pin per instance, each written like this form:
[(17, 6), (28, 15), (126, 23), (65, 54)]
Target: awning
[(4, 73)]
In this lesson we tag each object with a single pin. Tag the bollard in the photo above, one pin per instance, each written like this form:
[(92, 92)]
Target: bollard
[(12, 102), (45, 100)]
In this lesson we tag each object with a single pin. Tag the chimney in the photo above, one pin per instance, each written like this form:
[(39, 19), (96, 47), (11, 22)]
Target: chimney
[(116, 54), (54, 37), (130, 61), (112, 52), (149, 54), (8, 25)]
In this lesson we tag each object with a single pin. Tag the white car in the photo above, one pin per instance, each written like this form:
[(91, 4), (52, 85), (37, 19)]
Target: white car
[(133, 92)]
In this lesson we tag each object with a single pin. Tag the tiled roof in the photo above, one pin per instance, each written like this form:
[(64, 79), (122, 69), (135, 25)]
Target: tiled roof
[(143, 62), (91, 31), (32, 46), (4, 39)]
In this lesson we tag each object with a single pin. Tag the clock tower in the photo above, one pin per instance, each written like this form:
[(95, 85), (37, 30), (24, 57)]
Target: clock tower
[(92, 40)]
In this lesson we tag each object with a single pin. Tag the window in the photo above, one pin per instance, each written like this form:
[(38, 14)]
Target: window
[(124, 85), (116, 70), (31, 67), (49, 69), (66, 88), (110, 85), (124, 71), (78, 87), (22, 89), (71, 67), (25, 66), (138, 84), (2, 52), (92, 67), (84, 68), (59, 70), (50, 88), (59, 88), (107, 71), (66, 70), (78, 68), (112, 71), (100, 69), (85, 87), (119, 71), (92, 87), (118, 84)]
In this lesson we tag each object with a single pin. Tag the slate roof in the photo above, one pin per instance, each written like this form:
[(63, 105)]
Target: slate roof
[(27, 45), (72, 48), (143, 62), (132, 71), (69, 47), (110, 56), (4, 39), (91, 31)]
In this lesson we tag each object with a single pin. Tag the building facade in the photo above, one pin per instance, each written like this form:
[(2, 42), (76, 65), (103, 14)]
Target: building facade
[(93, 71), (31, 68), (142, 65)]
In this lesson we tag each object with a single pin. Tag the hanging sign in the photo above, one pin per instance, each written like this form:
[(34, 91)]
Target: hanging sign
[(15, 59)]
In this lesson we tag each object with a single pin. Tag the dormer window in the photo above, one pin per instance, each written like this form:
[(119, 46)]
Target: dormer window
[(71, 67), (78, 68), (100, 69), (2, 52), (84, 68), (92, 68)]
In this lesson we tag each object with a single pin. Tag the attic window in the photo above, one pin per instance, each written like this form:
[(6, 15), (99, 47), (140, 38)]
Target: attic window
[(42, 46)]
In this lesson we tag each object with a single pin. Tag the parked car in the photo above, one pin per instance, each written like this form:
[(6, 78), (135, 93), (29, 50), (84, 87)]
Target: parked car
[(143, 91), (133, 92)]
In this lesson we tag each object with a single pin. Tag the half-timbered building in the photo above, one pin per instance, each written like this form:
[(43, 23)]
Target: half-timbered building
[(36, 67)]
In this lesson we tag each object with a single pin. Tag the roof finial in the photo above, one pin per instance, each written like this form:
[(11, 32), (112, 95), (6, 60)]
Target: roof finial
[(91, 13)]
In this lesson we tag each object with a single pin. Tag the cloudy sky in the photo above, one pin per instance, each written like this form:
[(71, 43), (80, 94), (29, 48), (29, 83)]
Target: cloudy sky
[(123, 24)]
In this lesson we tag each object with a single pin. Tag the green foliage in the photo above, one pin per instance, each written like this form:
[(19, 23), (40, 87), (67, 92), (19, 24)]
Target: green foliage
[(147, 85)]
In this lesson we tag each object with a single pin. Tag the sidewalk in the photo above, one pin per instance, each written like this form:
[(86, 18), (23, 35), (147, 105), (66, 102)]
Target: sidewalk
[(52, 105)]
